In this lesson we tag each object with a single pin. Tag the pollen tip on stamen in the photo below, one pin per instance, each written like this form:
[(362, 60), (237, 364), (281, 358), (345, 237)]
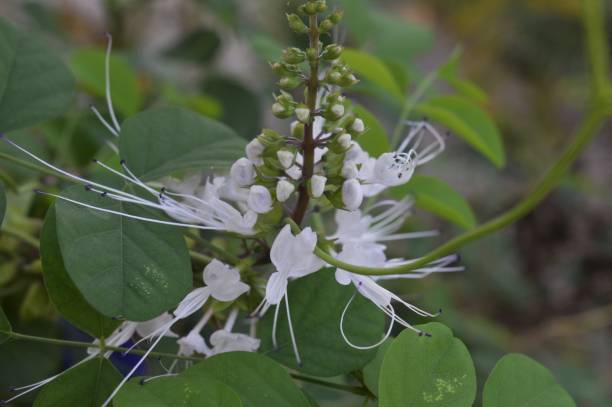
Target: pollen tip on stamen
[(88, 187), (122, 162), (37, 191), (426, 119), (142, 381)]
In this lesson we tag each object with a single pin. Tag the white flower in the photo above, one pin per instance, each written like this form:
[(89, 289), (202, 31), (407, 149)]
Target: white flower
[(260, 199), (223, 281), (317, 185), (352, 194), (277, 108), (349, 170), (192, 343), (243, 172), (345, 140), (254, 151), (302, 114), (224, 341), (358, 126), (393, 169), (286, 158), (338, 110), (294, 172), (284, 189)]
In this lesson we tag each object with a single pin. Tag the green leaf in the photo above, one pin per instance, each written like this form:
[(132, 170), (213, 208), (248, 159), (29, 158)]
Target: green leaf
[(35, 85), (88, 66), (258, 380), (469, 122), (177, 392), (375, 141), (436, 196), (63, 293), (427, 371), (176, 139), (374, 70), (2, 202), (450, 74), (519, 381), (87, 384), (5, 326), (316, 303), (199, 46), (123, 267), (241, 108), (371, 371)]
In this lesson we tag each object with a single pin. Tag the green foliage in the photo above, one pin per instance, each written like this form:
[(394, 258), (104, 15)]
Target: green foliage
[(375, 141), (469, 122), (316, 303), (259, 381), (374, 70), (371, 371), (199, 46), (5, 326), (518, 381), (177, 391), (88, 66), (176, 139), (437, 197), (62, 291), (123, 267), (470, 90), (34, 83), (88, 384), (427, 371), (2, 202)]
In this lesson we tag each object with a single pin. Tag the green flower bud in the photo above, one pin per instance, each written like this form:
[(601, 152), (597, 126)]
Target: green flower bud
[(310, 8), (348, 79), (336, 16), (296, 24), (332, 52), (321, 6), (302, 112), (333, 77), (289, 82), (312, 54), (326, 25), (297, 130), (294, 56)]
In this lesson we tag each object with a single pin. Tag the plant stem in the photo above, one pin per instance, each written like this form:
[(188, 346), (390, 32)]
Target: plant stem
[(24, 237), (596, 41), (308, 145), (343, 387)]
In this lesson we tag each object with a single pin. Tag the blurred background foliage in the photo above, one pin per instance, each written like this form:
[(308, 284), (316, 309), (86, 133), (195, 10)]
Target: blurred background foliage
[(542, 287)]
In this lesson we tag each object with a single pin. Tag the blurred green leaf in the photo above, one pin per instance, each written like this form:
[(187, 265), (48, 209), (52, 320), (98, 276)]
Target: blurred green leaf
[(199, 103), (436, 196), (87, 384), (35, 303), (266, 48), (35, 85), (469, 122), (88, 65), (123, 267), (450, 74), (317, 302), (176, 139), (427, 371), (374, 70), (519, 381), (5, 326), (177, 391), (375, 141), (258, 380), (62, 291), (241, 108), (2, 202), (371, 371), (199, 46)]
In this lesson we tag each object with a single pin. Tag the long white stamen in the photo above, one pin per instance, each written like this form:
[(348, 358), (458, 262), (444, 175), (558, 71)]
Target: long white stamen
[(352, 345), (274, 326), (291, 333), (104, 122), (202, 322), (109, 99), (411, 235)]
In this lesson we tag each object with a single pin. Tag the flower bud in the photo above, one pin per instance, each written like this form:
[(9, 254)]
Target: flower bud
[(326, 26), (290, 82), (297, 130), (284, 189), (333, 77), (335, 112), (349, 170), (317, 186), (352, 194), (303, 114), (254, 150), (294, 56), (260, 199), (358, 126), (286, 158), (296, 24), (312, 54), (345, 140), (336, 16), (321, 6), (332, 52), (294, 172), (310, 8), (243, 172)]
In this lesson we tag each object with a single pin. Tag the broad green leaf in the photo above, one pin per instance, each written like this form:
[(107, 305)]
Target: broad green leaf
[(199, 103), (241, 108), (123, 267), (469, 122), (5, 326), (374, 70), (519, 381), (62, 291), (199, 46), (316, 303), (450, 74), (371, 371), (88, 65), (437, 197), (375, 141), (35, 85), (84, 385), (177, 392), (2, 202), (427, 371), (176, 139), (258, 380)]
